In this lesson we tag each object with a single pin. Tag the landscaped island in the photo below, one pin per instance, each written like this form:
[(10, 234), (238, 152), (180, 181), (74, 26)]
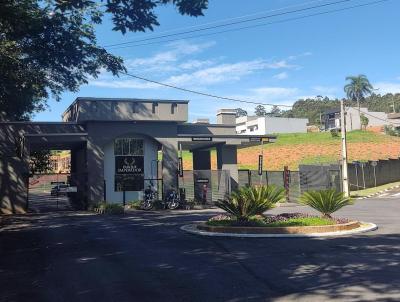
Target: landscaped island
[(246, 213)]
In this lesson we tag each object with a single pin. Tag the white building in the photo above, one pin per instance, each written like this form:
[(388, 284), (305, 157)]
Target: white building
[(259, 125), (331, 118)]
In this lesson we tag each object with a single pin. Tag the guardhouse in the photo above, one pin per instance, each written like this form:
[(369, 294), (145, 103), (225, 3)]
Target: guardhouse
[(115, 148)]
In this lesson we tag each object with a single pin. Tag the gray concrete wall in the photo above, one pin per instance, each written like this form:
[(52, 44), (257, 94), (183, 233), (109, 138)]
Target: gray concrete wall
[(226, 116), (93, 138), (101, 134), (92, 109), (285, 125), (150, 170), (15, 145), (206, 129), (13, 185), (227, 160)]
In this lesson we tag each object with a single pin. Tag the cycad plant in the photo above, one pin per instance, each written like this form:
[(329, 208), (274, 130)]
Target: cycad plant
[(325, 201), (250, 201)]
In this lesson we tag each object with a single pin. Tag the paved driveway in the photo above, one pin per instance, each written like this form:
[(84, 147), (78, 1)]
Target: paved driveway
[(70, 256)]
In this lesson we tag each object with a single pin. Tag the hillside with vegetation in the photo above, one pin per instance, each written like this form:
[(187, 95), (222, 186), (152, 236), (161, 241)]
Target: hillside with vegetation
[(313, 107), (313, 148)]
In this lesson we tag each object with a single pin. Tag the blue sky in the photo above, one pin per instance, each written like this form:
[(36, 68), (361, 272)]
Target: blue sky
[(277, 63)]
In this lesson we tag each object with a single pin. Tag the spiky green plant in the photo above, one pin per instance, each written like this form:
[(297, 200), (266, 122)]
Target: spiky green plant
[(325, 201), (250, 201)]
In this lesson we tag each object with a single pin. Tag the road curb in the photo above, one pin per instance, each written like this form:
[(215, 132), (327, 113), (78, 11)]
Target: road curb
[(365, 227), (378, 193)]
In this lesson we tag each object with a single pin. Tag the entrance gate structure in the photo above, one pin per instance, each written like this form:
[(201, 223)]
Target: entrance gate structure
[(205, 186), (91, 129)]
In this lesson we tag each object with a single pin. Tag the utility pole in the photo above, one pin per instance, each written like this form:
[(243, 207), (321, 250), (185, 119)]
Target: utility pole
[(394, 111), (345, 178)]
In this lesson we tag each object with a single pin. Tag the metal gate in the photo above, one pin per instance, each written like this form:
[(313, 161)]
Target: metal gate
[(205, 186), (56, 192), (251, 177)]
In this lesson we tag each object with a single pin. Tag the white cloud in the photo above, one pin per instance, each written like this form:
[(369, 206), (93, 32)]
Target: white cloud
[(194, 64), (280, 64), (166, 60), (325, 90), (295, 57), (281, 76), (268, 95), (387, 87), (124, 83), (274, 92), (226, 72), (217, 74), (178, 66)]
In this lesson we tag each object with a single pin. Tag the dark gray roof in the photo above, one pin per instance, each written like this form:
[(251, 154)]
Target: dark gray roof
[(129, 100), (333, 110)]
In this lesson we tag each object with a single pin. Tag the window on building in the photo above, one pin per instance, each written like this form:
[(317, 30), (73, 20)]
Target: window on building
[(128, 146), (154, 108), (174, 108)]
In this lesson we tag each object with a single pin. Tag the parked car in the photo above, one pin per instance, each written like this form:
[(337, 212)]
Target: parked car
[(59, 190)]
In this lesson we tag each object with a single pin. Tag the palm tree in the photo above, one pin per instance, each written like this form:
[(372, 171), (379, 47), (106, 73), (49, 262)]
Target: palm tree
[(357, 88)]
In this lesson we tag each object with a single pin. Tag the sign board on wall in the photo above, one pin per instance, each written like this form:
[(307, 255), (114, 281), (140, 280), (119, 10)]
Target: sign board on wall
[(202, 180), (129, 182), (260, 164), (129, 173), (201, 139), (129, 164)]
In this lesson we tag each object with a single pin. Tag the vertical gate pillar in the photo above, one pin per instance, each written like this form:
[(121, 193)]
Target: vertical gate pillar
[(227, 160), (95, 177), (202, 175), (170, 164)]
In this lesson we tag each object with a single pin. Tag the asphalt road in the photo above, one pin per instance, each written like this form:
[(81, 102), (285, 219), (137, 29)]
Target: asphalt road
[(71, 256)]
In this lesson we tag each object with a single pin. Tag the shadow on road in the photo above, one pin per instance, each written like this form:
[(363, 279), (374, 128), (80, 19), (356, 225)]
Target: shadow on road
[(145, 257)]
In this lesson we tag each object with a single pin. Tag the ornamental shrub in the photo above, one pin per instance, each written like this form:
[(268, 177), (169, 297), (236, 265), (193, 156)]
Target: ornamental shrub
[(325, 201), (250, 201)]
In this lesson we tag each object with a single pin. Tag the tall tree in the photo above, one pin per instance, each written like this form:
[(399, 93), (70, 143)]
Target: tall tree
[(275, 111), (240, 112), (356, 89), (39, 162), (50, 46), (260, 111)]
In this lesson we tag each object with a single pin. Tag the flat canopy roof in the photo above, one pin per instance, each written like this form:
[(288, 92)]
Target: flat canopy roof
[(94, 99), (207, 141)]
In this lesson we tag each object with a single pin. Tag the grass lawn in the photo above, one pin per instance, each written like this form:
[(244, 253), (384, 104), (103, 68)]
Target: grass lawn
[(312, 148), (369, 191), (304, 221)]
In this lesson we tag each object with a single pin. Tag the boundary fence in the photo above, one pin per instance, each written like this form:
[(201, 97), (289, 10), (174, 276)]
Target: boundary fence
[(277, 178), (205, 186)]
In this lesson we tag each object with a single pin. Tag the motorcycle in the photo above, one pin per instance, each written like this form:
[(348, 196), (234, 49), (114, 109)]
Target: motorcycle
[(171, 201), (150, 197)]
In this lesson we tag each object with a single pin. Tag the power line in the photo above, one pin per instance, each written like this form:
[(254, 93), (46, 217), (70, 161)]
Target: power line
[(238, 17), (378, 118), (233, 23), (203, 93), (256, 25)]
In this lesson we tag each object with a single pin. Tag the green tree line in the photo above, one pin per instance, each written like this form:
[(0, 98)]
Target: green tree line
[(312, 108)]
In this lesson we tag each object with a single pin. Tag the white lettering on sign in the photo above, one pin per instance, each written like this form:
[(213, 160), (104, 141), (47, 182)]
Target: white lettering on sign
[(129, 164)]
